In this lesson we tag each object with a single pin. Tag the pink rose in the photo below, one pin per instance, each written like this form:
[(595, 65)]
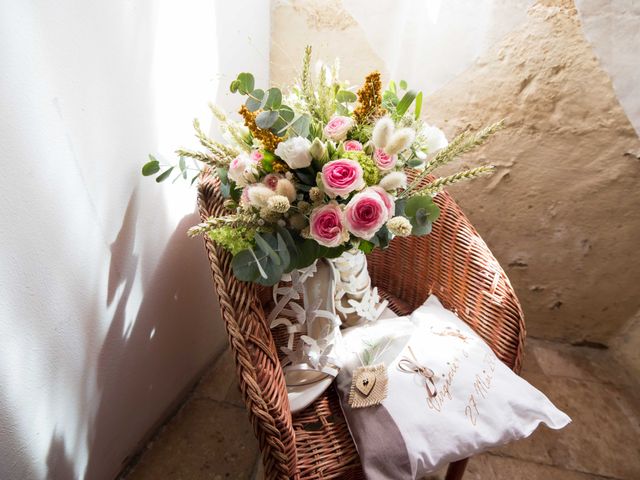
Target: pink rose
[(383, 160), (271, 180), (341, 177), (338, 127), (352, 146), (326, 225), (257, 156), (366, 213), (386, 198)]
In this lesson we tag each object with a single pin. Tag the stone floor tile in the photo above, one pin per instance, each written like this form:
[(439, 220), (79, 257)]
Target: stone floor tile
[(562, 360), (601, 440), (503, 468), (206, 440), (211, 437), (220, 382)]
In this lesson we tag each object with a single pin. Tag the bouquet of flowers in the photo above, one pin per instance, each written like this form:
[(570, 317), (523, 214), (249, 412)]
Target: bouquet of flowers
[(321, 169)]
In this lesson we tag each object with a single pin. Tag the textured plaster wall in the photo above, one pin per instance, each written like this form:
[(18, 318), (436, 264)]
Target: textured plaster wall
[(562, 213)]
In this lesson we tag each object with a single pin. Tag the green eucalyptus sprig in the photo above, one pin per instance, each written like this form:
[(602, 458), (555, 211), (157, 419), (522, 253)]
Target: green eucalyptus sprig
[(274, 116)]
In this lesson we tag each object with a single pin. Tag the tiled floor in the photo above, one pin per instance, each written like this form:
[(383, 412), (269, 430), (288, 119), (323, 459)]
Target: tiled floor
[(210, 437)]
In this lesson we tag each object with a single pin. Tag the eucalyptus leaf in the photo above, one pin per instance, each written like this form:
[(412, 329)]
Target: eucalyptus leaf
[(247, 82), (256, 100), (245, 266), (291, 246), (274, 99), (150, 168), (164, 175), (300, 126), (265, 247), (422, 212), (223, 175), (345, 96), (280, 125), (182, 164), (266, 119)]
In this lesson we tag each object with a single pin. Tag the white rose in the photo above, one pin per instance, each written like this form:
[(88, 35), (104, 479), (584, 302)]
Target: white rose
[(433, 138), (295, 152), (242, 170)]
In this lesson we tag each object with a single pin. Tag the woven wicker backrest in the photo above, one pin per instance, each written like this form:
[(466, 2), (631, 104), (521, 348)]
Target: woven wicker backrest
[(453, 262)]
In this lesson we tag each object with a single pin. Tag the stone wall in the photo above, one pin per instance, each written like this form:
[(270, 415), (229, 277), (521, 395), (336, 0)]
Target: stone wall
[(562, 213)]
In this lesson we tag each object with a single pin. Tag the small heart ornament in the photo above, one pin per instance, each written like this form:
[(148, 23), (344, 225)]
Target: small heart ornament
[(365, 383), (368, 386)]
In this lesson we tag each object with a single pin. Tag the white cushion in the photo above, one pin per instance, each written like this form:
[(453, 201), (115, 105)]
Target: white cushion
[(480, 402)]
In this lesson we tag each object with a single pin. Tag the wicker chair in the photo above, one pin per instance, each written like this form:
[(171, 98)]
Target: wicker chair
[(453, 262)]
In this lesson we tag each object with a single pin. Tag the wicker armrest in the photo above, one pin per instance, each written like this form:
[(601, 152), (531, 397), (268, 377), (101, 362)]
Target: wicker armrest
[(258, 370), (455, 263)]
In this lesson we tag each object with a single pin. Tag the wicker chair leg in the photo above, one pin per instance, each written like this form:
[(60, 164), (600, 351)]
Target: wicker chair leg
[(456, 469)]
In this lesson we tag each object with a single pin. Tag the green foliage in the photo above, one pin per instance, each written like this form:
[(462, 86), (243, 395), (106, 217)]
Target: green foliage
[(421, 212), (275, 253), (418, 107), (164, 175), (405, 103), (369, 168), (151, 167), (366, 246), (233, 239), (398, 105)]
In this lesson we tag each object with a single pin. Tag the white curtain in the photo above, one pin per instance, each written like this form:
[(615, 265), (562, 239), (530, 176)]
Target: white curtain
[(453, 34), (107, 310)]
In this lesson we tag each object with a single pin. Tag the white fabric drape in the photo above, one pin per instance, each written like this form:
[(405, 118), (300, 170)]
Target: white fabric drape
[(434, 41), (106, 307)]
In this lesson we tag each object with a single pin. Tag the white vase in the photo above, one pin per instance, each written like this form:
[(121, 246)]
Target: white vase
[(356, 301)]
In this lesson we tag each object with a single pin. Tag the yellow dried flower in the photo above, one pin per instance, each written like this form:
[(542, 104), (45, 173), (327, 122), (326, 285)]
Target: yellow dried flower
[(369, 99), (269, 139), (279, 166)]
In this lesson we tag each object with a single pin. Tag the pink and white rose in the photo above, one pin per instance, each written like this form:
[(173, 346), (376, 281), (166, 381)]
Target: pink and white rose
[(326, 225), (242, 170), (387, 199), (383, 160), (338, 127), (352, 146), (341, 177), (366, 213)]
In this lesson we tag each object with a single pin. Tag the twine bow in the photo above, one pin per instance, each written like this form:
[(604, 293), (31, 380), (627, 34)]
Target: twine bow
[(408, 365)]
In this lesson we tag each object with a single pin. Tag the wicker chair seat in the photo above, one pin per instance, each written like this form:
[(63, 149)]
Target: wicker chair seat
[(452, 261)]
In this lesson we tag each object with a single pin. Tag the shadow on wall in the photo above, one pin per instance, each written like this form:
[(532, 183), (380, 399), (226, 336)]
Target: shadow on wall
[(139, 365)]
